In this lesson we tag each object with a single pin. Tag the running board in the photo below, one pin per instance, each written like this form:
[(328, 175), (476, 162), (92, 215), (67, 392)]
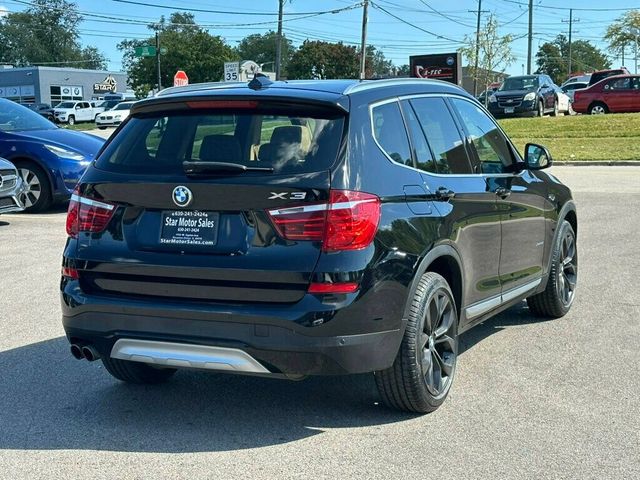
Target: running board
[(184, 355)]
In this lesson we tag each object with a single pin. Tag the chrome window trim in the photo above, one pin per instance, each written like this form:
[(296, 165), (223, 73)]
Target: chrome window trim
[(363, 86), (484, 306), (442, 175)]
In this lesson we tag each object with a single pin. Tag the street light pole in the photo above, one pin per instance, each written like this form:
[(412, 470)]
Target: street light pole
[(279, 40), (158, 61)]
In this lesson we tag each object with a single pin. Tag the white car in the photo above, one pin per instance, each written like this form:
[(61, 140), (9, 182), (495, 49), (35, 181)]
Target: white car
[(570, 88), (115, 116), (564, 102), (71, 112)]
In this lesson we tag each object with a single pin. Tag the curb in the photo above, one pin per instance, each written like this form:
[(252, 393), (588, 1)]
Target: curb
[(598, 163)]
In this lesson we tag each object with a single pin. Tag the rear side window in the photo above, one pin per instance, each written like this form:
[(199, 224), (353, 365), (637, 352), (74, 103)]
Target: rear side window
[(424, 159), (289, 140), (389, 131), (442, 134)]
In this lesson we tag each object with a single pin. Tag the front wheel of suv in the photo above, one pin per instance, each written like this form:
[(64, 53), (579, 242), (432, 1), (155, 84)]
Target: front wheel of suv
[(136, 372), (421, 375), (557, 298)]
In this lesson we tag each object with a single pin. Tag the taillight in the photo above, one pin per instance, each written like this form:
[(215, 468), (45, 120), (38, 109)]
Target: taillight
[(349, 221), (70, 272), (352, 220), (87, 215)]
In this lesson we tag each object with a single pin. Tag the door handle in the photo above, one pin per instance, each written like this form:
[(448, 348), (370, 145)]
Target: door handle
[(445, 194), (503, 192)]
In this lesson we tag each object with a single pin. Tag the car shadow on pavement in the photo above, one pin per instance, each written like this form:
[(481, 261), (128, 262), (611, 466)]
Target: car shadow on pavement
[(50, 401), (519, 314)]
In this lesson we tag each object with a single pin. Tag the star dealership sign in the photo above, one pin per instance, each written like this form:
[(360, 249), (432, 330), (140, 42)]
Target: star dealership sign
[(108, 85)]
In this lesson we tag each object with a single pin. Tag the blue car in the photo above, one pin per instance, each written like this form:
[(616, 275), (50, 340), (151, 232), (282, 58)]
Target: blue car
[(50, 160)]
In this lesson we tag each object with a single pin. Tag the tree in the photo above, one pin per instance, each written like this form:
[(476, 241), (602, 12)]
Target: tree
[(376, 64), (189, 48), (320, 60), (553, 58), (261, 48), (623, 32), (46, 33), (495, 54)]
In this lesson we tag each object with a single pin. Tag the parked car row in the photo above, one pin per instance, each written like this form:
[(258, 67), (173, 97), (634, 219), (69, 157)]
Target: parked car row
[(535, 95)]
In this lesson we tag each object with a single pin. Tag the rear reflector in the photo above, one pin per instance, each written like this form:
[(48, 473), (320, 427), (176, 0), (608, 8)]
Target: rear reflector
[(70, 273), (87, 215), (349, 221), (341, 287), (212, 104)]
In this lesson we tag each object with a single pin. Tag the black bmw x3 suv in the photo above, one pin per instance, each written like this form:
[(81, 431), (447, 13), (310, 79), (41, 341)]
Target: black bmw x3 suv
[(309, 228)]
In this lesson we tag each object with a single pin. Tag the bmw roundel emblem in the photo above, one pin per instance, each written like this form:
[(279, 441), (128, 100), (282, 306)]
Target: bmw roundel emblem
[(450, 61), (182, 196)]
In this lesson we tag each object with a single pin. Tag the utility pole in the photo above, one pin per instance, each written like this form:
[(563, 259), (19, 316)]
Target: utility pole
[(158, 60), (570, 22), (475, 65), (363, 43), (279, 39), (530, 39)]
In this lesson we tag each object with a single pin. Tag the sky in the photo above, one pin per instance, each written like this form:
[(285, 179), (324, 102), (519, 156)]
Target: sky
[(399, 28)]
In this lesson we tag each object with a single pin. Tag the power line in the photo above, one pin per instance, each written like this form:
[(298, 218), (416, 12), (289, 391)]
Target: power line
[(548, 7), (378, 7), (227, 12)]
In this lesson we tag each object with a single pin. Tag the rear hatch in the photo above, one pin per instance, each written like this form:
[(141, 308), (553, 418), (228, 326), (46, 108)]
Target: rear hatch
[(201, 201)]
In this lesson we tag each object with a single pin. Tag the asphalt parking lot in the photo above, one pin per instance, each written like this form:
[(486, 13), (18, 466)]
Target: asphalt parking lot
[(546, 399)]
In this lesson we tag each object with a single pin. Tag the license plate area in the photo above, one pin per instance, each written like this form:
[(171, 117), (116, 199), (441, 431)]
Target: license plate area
[(189, 227), (509, 110)]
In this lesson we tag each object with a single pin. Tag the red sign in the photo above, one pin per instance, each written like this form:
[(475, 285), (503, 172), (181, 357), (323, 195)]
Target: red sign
[(180, 79)]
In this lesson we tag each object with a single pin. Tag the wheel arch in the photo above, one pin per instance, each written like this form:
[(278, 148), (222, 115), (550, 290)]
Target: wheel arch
[(445, 261), (36, 161), (598, 102)]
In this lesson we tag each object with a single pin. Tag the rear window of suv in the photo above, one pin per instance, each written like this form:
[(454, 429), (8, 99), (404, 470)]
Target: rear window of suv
[(287, 139)]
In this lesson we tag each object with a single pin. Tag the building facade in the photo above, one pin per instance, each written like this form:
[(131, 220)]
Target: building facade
[(54, 84)]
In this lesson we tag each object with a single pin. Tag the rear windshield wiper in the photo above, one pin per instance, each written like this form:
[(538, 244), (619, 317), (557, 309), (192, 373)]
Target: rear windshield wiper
[(204, 168)]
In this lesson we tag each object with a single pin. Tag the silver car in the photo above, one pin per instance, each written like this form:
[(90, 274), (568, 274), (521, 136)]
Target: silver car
[(11, 188)]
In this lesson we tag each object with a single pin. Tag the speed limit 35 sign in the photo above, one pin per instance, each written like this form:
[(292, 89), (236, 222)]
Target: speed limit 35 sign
[(231, 71)]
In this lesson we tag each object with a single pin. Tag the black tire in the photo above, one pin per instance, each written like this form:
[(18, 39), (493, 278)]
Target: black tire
[(407, 384), (71, 120), (136, 372), (540, 112), (598, 108), (556, 110), (102, 128), (38, 196), (558, 296)]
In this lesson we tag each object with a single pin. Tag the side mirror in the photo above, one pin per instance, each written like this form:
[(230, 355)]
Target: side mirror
[(77, 107), (537, 157)]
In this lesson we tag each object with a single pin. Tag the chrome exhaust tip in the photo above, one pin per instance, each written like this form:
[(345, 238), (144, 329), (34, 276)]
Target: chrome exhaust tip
[(76, 351), (90, 353)]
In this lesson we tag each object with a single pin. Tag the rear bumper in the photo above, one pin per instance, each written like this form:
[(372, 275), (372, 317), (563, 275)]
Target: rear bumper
[(269, 335)]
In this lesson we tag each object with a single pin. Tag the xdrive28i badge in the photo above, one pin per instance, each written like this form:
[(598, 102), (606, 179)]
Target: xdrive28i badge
[(182, 196)]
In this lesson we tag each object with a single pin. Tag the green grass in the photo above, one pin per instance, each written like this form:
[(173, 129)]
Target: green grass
[(580, 137), (79, 126)]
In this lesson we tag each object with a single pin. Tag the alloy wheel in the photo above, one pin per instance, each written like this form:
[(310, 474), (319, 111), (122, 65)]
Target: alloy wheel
[(598, 110), (437, 344), (568, 269), (34, 188)]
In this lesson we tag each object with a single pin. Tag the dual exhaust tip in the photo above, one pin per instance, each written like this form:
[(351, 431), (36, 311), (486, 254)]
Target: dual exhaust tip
[(87, 351)]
